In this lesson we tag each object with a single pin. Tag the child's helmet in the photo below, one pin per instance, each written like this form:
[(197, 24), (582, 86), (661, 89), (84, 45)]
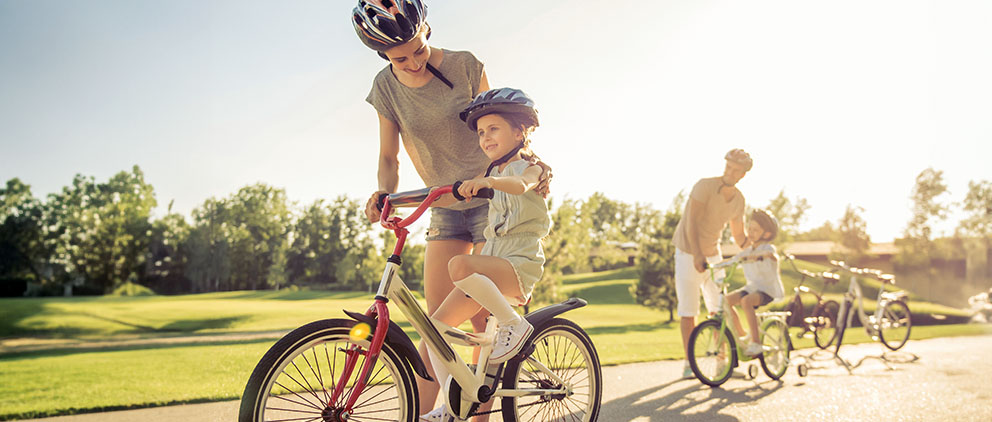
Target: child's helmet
[(741, 157), (384, 24), (767, 222), (499, 100)]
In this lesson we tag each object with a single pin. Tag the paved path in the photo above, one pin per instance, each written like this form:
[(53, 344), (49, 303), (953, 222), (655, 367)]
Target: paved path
[(929, 380)]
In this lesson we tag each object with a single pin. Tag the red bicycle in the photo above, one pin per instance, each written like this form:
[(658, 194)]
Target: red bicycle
[(362, 368)]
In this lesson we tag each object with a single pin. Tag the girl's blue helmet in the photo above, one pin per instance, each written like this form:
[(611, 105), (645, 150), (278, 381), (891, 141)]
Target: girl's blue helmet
[(499, 100)]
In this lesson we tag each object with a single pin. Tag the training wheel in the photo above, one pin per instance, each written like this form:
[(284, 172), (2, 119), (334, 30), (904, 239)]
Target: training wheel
[(752, 371), (803, 370)]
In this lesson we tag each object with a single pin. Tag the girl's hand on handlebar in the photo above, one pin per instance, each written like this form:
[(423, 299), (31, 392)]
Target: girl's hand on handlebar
[(372, 211), (470, 188)]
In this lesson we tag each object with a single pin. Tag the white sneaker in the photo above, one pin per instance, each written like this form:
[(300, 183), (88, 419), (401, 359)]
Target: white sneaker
[(438, 415), (510, 339), (687, 371), (753, 349)]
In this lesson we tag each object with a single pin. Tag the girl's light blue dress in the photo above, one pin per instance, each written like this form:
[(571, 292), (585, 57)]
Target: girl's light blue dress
[(517, 223)]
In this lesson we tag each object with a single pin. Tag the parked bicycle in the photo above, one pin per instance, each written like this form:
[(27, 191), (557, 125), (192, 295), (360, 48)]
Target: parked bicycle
[(821, 322), (362, 368), (713, 349), (891, 322)]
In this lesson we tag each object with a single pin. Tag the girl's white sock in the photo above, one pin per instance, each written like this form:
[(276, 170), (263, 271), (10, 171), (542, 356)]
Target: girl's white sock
[(485, 292)]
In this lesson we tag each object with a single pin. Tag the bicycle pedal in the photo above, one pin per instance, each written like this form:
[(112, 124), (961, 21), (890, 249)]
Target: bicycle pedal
[(524, 352)]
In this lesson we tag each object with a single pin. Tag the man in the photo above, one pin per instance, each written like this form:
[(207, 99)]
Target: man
[(713, 203)]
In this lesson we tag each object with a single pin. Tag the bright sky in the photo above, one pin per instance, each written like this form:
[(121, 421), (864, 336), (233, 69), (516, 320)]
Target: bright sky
[(840, 102)]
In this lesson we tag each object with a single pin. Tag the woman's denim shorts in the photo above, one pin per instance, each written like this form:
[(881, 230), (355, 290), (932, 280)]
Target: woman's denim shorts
[(466, 225)]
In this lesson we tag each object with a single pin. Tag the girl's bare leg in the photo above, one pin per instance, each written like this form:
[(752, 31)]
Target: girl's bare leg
[(751, 302), (733, 300)]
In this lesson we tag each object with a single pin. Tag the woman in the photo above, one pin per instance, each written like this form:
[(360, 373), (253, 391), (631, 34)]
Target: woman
[(418, 97)]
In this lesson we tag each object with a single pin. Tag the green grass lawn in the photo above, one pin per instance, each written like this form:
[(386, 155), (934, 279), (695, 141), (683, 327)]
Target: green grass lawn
[(55, 382)]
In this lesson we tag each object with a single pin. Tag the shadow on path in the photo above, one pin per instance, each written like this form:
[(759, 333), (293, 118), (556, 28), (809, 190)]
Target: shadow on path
[(691, 400)]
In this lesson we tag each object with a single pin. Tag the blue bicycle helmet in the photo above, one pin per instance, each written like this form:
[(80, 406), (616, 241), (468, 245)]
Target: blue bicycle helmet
[(384, 24), (499, 100)]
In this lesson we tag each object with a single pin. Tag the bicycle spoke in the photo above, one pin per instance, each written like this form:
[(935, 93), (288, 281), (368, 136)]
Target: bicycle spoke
[(296, 394), (308, 404), (309, 387), (296, 419)]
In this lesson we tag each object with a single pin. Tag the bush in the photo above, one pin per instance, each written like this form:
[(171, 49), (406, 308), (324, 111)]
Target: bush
[(132, 289)]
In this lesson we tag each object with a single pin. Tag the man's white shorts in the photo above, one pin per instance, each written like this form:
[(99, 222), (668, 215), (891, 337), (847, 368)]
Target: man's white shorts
[(688, 283)]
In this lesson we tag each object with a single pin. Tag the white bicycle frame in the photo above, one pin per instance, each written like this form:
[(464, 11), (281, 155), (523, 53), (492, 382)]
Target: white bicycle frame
[(439, 336), (869, 322)]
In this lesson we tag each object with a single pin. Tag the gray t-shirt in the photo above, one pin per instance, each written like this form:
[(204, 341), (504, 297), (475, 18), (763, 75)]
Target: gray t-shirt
[(441, 146)]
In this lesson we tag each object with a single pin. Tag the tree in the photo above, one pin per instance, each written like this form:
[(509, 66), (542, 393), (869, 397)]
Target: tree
[(789, 214), (917, 248), (167, 255), (978, 208), (23, 252), (853, 236), (99, 231), (236, 242), (209, 262), (656, 260)]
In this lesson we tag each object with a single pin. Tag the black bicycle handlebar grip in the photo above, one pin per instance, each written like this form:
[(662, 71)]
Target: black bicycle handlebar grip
[(706, 265), (486, 193), (379, 203)]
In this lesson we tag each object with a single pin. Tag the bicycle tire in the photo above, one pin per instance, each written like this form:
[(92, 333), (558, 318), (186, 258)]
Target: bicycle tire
[(895, 318), (712, 367), (776, 344), (825, 323), (297, 359), (563, 347)]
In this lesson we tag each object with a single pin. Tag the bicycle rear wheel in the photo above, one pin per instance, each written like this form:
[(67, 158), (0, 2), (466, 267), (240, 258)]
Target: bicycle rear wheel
[(824, 323), (894, 325), (712, 355), (775, 345), (295, 379), (567, 351)]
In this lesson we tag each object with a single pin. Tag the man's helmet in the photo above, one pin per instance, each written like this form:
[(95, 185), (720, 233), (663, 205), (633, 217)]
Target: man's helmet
[(499, 100), (384, 24), (767, 222), (741, 157)]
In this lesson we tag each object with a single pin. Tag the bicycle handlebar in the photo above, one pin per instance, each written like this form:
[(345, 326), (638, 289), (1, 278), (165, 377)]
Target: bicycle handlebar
[(424, 196), (873, 273)]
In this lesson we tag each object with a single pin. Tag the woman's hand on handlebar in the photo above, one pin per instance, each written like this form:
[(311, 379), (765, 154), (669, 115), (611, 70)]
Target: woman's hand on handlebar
[(470, 188), (372, 211)]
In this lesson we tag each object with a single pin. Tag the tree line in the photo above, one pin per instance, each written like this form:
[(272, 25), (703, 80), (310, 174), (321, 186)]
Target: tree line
[(100, 236)]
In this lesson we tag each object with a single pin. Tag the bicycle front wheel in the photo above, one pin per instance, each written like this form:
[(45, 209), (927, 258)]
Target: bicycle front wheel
[(296, 378), (565, 350), (775, 348), (824, 323), (711, 353), (894, 326)]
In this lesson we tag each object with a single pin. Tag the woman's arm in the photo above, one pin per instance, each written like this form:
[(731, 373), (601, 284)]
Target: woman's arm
[(484, 82), (389, 165)]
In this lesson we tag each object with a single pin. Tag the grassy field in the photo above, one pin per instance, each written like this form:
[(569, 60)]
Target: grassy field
[(62, 381)]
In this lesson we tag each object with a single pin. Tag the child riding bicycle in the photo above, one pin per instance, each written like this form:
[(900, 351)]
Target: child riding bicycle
[(512, 259), (761, 270)]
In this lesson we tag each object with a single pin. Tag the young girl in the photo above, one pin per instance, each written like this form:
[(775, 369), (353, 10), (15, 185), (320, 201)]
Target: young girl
[(512, 259), (760, 265)]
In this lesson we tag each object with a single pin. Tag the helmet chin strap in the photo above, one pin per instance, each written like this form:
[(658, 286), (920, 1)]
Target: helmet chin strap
[(513, 152)]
